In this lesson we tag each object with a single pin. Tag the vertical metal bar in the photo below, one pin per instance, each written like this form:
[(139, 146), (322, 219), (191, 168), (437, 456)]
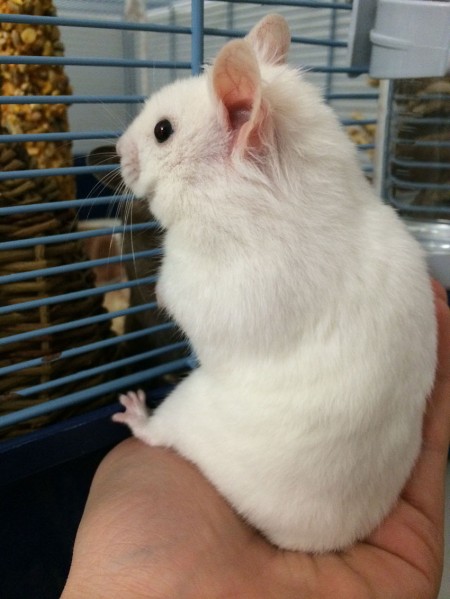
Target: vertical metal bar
[(197, 22), (230, 16), (173, 73), (382, 142), (133, 49), (331, 50)]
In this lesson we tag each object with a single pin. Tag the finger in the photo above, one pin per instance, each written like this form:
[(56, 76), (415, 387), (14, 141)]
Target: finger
[(437, 417), (439, 290), (425, 489)]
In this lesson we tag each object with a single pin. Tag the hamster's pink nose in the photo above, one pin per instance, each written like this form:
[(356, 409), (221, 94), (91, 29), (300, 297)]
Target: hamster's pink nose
[(126, 148), (119, 146)]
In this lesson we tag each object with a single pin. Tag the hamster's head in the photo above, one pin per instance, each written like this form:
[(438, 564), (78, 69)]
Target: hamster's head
[(189, 131), (201, 142), (168, 146)]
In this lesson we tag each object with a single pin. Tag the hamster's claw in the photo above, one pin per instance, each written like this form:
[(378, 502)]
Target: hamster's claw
[(136, 414)]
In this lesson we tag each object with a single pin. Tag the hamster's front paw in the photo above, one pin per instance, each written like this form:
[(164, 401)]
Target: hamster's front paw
[(136, 413)]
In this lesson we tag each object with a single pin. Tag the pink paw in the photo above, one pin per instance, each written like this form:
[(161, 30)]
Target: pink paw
[(136, 414)]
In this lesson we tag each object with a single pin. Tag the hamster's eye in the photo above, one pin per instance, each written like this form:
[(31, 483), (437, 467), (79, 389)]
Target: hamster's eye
[(163, 130)]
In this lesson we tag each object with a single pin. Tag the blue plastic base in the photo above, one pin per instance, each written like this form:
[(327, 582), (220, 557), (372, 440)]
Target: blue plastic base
[(45, 479), (39, 520), (44, 483)]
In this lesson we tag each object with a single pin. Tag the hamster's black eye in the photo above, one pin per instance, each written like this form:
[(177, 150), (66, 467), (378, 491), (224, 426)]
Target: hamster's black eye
[(163, 130)]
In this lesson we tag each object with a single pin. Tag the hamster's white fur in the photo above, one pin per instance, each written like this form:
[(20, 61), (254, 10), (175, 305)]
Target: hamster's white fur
[(307, 302)]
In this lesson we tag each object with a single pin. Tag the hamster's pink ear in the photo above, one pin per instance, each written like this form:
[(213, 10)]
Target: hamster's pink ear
[(271, 39), (237, 85)]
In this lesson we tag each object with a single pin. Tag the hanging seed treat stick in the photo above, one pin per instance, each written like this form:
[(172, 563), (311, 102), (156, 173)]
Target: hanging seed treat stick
[(40, 80)]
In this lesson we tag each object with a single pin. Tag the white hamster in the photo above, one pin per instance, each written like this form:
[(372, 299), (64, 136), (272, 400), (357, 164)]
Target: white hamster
[(307, 302)]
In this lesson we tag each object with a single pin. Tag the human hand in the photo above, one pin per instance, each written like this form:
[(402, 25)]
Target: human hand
[(155, 528)]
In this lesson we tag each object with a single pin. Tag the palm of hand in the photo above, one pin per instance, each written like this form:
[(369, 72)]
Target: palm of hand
[(155, 528)]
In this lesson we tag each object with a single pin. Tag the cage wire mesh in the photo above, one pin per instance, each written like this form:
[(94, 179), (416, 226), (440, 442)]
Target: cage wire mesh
[(418, 177), (78, 268), (414, 173)]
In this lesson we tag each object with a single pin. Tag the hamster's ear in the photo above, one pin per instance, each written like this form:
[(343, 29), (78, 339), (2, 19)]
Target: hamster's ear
[(271, 38), (236, 82)]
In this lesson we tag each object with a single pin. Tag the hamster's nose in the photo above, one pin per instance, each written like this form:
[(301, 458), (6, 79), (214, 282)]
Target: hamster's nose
[(119, 146), (126, 148)]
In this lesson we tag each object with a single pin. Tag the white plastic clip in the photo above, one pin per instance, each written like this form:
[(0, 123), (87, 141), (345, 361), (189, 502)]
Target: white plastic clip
[(401, 38)]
